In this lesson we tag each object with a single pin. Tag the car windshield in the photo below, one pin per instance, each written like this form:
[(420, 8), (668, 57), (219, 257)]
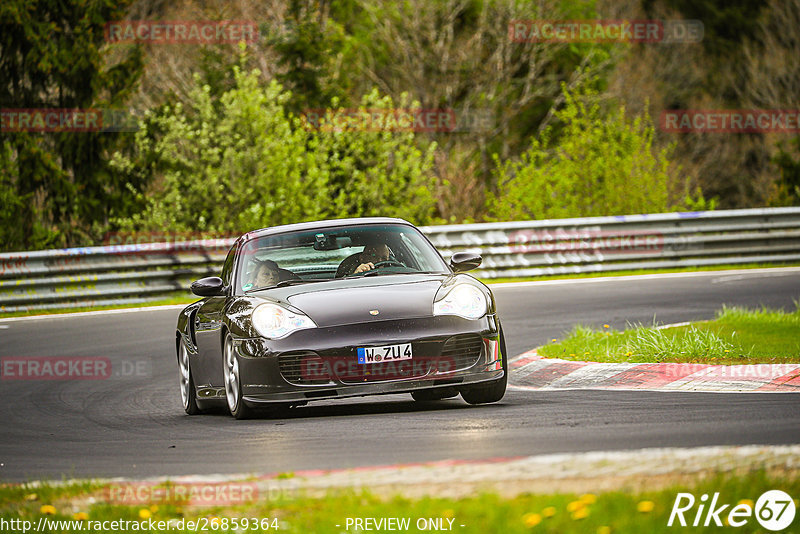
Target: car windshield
[(339, 252)]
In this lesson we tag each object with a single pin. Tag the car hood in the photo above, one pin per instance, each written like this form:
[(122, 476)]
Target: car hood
[(380, 298)]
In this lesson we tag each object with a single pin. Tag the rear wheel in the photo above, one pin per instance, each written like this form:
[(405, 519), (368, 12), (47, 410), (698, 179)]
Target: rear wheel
[(233, 383), (484, 394), (188, 391), (424, 395)]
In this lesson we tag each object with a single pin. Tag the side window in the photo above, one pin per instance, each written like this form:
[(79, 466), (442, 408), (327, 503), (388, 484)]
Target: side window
[(227, 267)]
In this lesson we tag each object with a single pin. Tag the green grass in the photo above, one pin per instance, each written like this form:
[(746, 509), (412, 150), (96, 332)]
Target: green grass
[(735, 336), (613, 511)]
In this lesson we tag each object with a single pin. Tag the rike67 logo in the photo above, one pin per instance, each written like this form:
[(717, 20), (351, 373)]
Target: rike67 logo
[(774, 510)]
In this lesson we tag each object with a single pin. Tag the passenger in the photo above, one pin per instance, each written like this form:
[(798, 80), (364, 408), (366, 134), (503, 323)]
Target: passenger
[(266, 274)]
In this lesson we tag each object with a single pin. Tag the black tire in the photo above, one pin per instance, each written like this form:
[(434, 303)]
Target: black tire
[(188, 390), (493, 392), (427, 395), (233, 383)]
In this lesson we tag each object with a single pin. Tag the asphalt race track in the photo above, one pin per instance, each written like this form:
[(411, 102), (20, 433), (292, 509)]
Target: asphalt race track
[(132, 424)]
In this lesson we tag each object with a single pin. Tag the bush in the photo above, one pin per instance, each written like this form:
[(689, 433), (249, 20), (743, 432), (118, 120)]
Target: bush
[(241, 161), (601, 165)]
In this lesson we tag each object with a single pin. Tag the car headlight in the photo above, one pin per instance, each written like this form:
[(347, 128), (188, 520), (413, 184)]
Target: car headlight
[(464, 300), (273, 321)]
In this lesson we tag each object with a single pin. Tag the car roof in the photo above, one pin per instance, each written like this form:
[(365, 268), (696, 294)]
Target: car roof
[(328, 223)]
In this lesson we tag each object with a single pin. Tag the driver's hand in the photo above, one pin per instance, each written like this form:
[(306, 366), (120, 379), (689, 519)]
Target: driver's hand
[(364, 267)]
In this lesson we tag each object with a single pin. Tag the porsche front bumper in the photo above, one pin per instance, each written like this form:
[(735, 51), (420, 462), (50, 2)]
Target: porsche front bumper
[(321, 363)]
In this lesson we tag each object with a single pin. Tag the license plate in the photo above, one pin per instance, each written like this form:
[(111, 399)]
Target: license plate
[(389, 353)]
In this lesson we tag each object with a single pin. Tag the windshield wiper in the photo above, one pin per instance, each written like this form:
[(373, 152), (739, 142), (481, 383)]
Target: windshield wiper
[(284, 283), (295, 281), (376, 272)]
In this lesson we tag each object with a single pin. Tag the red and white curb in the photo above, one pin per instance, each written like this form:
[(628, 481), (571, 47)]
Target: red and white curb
[(532, 371)]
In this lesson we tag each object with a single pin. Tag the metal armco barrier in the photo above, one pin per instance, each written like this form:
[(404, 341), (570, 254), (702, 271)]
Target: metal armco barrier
[(93, 276)]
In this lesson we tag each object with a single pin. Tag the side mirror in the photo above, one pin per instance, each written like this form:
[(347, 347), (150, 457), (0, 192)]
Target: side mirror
[(213, 286), (465, 261)]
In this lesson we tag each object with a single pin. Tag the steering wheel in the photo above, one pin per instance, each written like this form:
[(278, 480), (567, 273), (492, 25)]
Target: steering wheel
[(388, 263)]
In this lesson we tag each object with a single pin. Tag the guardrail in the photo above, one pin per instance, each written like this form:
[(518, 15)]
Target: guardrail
[(95, 276)]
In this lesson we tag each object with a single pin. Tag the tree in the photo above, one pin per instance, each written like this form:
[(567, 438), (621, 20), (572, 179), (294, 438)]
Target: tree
[(52, 56)]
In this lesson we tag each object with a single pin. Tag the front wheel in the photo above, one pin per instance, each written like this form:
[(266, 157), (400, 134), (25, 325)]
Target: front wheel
[(233, 383), (493, 392), (188, 391)]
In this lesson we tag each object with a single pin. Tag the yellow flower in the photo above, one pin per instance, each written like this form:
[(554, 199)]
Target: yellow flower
[(645, 506), (214, 520), (553, 340), (550, 511), (748, 502), (48, 509), (144, 513), (577, 515), (449, 514), (531, 520), (575, 506), (606, 326), (588, 498), (585, 353), (572, 355), (154, 508), (31, 497), (604, 530), (80, 516), (628, 354)]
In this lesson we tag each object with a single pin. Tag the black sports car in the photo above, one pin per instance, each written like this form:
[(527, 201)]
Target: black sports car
[(336, 309)]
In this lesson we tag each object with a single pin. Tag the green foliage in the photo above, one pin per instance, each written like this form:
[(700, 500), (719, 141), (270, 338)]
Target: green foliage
[(241, 161), (56, 186), (307, 48), (373, 172), (224, 165), (789, 166), (602, 164), (726, 24)]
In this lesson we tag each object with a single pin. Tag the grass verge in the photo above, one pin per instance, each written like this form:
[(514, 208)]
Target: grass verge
[(602, 513), (735, 336)]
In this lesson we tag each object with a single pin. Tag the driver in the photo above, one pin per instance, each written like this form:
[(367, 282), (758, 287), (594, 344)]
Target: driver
[(372, 254), (375, 251)]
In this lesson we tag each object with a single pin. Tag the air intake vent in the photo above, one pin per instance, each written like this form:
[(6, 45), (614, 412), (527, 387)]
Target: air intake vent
[(304, 368), (461, 352)]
